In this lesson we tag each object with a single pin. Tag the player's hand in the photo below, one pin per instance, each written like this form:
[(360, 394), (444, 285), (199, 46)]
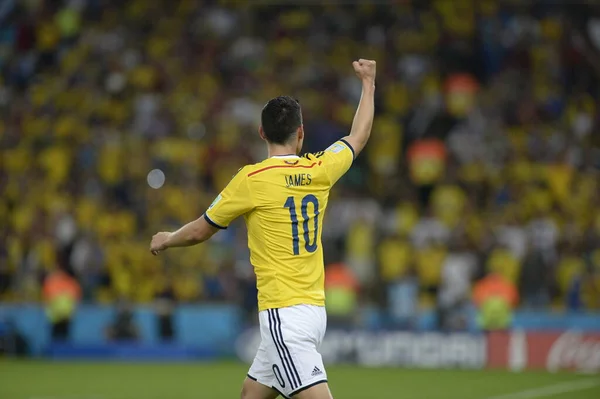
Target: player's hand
[(159, 242), (365, 70)]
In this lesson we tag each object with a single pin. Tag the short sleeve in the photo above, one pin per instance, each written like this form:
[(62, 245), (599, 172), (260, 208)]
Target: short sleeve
[(235, 200), (337, 159)]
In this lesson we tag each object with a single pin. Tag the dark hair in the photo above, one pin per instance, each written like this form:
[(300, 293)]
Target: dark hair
[(280, 119)]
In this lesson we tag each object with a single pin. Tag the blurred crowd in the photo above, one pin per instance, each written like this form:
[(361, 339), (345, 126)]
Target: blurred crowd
[(484, 157)]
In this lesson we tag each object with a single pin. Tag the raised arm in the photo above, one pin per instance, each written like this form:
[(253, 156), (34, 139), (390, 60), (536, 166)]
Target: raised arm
[(363, 119)]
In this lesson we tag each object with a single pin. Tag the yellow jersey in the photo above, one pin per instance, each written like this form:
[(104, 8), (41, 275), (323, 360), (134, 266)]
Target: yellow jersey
[(283, 200)]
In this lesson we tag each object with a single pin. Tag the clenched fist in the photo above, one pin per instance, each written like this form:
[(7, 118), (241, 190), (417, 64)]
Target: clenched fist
[(365, 70), (159, 242)]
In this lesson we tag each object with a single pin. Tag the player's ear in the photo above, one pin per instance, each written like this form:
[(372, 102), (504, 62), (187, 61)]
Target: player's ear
[(261, 133), (300, 132)]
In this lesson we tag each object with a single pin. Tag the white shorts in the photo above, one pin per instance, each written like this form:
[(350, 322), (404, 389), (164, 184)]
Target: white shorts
[(288, 358)]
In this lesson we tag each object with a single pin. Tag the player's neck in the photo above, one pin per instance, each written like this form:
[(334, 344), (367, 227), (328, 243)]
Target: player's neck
[(275, 150)]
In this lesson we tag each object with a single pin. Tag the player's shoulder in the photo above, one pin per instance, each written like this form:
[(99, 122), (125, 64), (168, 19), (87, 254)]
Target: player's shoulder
[(251, 169), (242, 172), (313, 156), (335, 148)]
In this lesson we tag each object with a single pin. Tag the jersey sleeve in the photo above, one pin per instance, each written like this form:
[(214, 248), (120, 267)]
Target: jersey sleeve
[(337, 159), (234, 201)]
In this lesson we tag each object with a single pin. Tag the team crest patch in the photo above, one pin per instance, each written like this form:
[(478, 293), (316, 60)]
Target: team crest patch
[(335, 148), (216, 201)]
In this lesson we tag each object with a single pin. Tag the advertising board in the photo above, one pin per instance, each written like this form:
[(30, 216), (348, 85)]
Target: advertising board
[(385, 349), (553, 351)]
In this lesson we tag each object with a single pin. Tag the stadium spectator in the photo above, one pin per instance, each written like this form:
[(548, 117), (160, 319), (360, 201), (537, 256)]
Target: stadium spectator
[(123, 328), (457, 274), (12, 341), (535, 281), (61, 295), (397, 271), (164, 305), (341, 290), (495, 297)]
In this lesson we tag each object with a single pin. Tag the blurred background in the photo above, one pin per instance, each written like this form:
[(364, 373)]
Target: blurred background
[(474, 211)]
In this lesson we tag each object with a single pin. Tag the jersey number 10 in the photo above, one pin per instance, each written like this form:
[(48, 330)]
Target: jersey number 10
[(291, 205)]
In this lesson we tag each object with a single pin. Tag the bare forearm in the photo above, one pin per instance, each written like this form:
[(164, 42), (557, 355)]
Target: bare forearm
[(191, 234), (363, 119), (188, 235)]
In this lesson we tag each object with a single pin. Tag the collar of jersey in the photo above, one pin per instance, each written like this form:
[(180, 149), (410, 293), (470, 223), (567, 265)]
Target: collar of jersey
[(285, 156)]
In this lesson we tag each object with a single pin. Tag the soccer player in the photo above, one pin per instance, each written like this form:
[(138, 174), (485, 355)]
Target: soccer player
[(283, 200)]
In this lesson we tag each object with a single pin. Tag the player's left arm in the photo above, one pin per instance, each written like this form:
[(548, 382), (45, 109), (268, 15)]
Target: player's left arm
[(363, 119), (234, 201), (338, 158)]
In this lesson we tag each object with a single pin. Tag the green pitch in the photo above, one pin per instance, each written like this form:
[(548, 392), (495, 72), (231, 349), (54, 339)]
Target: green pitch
[(73, 380)]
